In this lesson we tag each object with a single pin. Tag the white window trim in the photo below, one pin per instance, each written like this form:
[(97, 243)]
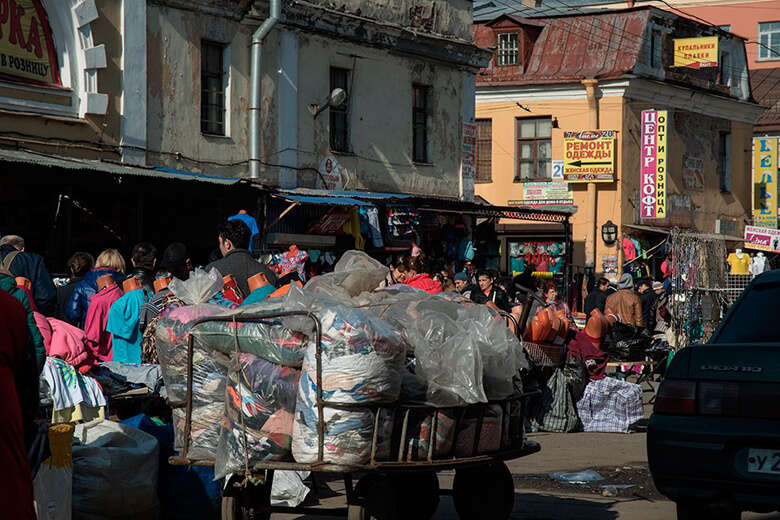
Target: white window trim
[(761, 48), (507, 50)]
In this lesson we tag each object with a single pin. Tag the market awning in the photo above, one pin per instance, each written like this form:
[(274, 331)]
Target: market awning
[(70, 163), (322, 200), (361, 195), (665, 231)]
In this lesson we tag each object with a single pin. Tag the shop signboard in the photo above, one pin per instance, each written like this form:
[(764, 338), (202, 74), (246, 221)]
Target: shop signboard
[(763, 239), (589, 156), (331, 174), (653, 164), (27, 52), (545, 194), (765, 182), (557, 170), (696, 53)]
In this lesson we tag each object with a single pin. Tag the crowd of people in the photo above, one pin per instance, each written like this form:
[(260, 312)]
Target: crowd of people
[(641, 303)]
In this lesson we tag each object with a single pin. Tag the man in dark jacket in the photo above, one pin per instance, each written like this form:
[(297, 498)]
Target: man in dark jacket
[(144, 260), (14, 259), (648, 299), (597, 297), (236, 260), (488, 292)]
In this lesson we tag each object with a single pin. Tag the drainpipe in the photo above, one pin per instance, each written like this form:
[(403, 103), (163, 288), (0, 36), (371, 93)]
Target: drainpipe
[(590, 208), (255, 88)]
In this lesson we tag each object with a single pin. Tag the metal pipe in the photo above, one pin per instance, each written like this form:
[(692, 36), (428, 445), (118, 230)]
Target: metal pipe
[(255, 87), (591, 206)]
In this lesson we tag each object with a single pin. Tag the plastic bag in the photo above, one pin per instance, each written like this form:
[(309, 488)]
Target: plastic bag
[(199, 287), (418, 436), (115, 469), (354, 273), (556, 411), (577, 376), (265, 395), (288, 489), (53, 483)]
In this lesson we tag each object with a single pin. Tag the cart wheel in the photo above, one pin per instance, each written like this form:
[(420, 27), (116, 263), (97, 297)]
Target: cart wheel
[(233, 510), (377, 499), (420, 494), (484, 492)]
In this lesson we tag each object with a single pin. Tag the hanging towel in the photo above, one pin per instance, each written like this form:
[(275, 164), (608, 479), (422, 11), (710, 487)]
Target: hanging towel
[(123, 324)]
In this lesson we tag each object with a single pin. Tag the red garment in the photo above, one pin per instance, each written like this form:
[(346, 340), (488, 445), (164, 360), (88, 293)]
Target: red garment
[(66, 342), (666, 269), (16, 488), (98, 338), (594, 358), (629, 251), (425, 283)]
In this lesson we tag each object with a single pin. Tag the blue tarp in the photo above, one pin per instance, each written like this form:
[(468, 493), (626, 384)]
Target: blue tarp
[(329, 201)]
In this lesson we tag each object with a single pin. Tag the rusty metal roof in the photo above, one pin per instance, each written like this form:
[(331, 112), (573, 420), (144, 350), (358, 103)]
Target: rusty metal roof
[(485, 10), (765, 84), (603, 45)]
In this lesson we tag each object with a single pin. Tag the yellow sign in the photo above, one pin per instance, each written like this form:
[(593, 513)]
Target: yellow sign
[(696, 52), (27, 52), (765, 182), (589, 156)]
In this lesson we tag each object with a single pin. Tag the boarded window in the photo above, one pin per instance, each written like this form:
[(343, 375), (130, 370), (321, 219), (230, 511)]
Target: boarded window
[(484, 150), (212, 85), (534, 149)]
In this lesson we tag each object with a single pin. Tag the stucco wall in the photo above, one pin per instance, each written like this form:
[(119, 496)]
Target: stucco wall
[(380, 118), (174, 67)]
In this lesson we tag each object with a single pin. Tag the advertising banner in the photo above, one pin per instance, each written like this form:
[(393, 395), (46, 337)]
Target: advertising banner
[(765, 182), (653, 164), (27, 52), (589, 156), (545, 194), (763, 239), (696, 53)]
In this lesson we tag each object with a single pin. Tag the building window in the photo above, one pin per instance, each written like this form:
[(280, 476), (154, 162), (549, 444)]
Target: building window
[(534, 147), (726, 28), (724, 161), (212, 88), (339, 116), (507, 49), (769, 41), (484, 151), (420, 108), (656, 49), (724, 72)]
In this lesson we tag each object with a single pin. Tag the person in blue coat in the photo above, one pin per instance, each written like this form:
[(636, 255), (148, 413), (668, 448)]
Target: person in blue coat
[(15, 259), (110, 262)]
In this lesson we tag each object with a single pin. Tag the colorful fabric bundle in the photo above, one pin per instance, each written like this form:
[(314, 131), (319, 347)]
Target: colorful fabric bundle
[(419, 434), (609, 405), (209, 369), (489, 435), (265, 394)]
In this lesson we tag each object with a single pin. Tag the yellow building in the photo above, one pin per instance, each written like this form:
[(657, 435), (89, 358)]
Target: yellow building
[(593, 72)]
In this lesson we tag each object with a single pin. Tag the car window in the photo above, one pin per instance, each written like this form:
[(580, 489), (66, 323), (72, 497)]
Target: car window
[(754, 320)]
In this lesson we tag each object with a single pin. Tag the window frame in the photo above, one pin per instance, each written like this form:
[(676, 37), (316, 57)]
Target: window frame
[(341, 112), (761, 45), (483, 144), (534, 160), (656, 51), (220, 125), (724, 161), (420, 115), (725, 69), (508, 51)]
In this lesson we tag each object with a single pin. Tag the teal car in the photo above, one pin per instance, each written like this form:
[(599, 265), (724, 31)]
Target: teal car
[(713, 441)]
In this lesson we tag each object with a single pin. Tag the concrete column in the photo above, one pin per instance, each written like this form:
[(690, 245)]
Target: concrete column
[(591, 213)]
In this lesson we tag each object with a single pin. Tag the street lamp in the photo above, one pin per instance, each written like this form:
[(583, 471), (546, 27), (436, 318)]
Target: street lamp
[(609, 232), (336, 99)]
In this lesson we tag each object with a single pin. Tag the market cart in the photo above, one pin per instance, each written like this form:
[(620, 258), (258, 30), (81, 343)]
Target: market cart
[(395, 486)]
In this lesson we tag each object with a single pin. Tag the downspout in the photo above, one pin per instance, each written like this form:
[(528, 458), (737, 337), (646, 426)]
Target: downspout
[(591, 206), (255, 88)]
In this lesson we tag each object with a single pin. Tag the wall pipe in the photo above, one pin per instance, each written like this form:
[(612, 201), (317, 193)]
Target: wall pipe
[(255, 88)]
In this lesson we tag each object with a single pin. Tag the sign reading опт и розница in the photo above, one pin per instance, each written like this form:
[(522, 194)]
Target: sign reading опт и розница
[(653, 163), (27, 52)]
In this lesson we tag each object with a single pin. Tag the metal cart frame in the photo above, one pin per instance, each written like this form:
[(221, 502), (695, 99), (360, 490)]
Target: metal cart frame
[(485, 468)]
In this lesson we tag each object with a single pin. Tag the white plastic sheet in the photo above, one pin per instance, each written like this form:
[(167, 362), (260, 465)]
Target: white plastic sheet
[(200, 286)]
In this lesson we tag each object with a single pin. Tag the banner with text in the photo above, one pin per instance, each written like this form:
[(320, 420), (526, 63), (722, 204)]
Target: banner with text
[(765, 182), (653, 163), (589, 156), (763, 239), (696, 53), (545, 194), (27, 52)]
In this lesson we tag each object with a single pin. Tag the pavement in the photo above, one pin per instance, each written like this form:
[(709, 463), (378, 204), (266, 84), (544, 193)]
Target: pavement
[(563, 452)]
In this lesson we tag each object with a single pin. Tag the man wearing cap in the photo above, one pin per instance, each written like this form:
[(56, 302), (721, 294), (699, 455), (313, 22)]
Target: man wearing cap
[(625, 302), (463, 285), (647, 297)]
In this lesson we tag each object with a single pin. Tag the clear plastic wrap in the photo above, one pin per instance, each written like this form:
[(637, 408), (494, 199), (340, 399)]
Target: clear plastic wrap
[(199, 287), (353, 274), (265, 394)]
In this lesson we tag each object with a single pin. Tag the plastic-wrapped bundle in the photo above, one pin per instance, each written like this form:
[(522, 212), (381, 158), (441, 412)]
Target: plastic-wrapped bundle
[(419, 433), (354, 273), (268, 339), (265, 394), (209, 369), (490, 433)]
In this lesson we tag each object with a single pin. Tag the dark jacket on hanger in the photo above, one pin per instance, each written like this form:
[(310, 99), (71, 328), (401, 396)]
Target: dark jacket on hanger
[(649, 309)]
